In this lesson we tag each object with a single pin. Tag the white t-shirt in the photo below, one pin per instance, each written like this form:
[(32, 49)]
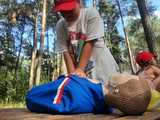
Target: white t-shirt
[(89, 26)]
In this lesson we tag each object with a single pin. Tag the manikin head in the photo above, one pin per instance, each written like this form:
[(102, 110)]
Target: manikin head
[(69, 9), (128, 94)]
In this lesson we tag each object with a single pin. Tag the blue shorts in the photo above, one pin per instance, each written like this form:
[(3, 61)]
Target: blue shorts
[(67, 95)]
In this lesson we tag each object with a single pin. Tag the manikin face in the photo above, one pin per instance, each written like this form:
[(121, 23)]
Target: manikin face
[(71, 15), (111, 88), (127, 93)]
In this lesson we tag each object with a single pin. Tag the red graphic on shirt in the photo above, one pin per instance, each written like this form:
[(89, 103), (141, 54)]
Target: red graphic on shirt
[(77, 36)]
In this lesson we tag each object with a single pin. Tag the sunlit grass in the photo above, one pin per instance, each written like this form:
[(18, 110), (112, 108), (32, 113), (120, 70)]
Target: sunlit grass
[(12, 105)]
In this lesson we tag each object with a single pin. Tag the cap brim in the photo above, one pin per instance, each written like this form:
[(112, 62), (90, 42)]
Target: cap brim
[(65, 6)]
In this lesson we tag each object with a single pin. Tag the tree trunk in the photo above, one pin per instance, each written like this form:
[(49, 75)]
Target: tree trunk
[(48, 58), (94, 3), (60, 64), (149, 35), (38, 72), (126, 40), (54, 59), (34, 52), (19, 53)]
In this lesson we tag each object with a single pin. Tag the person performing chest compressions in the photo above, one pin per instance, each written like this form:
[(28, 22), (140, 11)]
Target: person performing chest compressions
[(80, 37)]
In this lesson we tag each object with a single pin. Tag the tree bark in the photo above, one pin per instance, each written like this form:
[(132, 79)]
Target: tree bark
[(19, 53), (34, 52), (60, 64), (149, 35), (38, 72)]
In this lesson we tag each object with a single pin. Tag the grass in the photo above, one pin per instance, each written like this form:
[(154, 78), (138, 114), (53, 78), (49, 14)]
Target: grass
[(12, 105)]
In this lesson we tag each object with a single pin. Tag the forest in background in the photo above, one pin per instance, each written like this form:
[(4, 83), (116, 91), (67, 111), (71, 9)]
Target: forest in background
[(27, 40)]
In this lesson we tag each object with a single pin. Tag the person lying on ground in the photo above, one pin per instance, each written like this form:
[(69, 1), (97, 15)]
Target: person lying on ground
[(75, 95)]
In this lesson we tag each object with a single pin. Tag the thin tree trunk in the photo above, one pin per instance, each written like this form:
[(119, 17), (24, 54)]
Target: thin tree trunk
[(54, 58), (149, 35), (60, 64), (18, 57), (6, 72), (48, 60), (38, 72), (94, 3), (34, 52), (126, 40), (56, 66)]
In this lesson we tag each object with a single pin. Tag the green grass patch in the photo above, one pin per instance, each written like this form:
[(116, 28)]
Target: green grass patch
[(12, 105)]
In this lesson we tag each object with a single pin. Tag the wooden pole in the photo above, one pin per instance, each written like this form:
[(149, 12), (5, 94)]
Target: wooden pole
[(126, 39)]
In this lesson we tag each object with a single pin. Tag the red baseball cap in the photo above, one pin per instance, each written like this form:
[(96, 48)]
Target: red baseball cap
[(65, 5), (143, 57)]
